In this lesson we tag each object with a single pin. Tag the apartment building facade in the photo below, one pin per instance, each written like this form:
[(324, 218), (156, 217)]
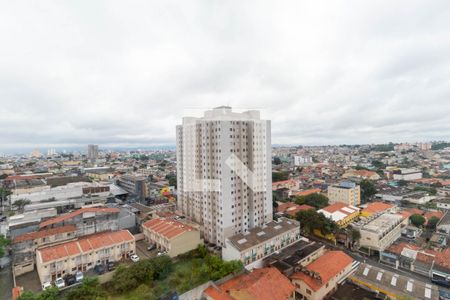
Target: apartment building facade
[(260, 242), (224, 172), (83, 254), (345, 192), (379, 231)]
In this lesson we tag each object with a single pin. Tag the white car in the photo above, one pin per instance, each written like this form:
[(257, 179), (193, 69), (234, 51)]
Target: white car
[(79, 276), (134, 258), (59, 282), (46, 285), (162, 253)]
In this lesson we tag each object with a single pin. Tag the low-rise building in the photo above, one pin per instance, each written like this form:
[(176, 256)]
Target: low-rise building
[(443, 203), (394, 285), (172, 236), (136, 185), (260, 284), (346, 192), (88, 220), (443, 226), (340, 213), (407, 174), (291, 209), (362, 174), (259, 242), (83, 254), (377, 208), (379, 231), (319, 279)]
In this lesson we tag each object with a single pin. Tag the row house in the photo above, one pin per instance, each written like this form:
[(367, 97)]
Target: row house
[(83, 254)]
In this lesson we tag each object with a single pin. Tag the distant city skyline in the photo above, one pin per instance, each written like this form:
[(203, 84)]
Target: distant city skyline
[(77, 73)]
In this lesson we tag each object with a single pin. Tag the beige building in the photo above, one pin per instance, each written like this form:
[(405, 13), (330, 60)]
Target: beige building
[(259, 242), (83, 254), (319, 279), (172, 236), (379, 231), (346, 192)]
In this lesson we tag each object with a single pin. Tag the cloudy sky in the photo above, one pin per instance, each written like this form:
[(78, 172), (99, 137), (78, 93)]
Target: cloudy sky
[(123, 73)]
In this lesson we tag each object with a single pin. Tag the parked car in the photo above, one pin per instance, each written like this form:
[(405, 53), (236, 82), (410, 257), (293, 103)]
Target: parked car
[(59, 282), (79, 276), (110, 266), (100, 269), (70, 279), (134, 258), (151, 247), (162, 253), (46, 285)]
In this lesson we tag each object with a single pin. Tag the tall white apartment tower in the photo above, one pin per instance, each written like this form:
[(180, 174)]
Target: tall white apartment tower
[(92, 153), (224, 172)]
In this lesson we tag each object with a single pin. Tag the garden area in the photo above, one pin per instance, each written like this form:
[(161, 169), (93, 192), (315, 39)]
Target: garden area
[(150, 278)]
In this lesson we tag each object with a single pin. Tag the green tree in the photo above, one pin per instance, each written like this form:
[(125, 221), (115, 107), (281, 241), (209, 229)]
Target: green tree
[(356, 235), (432, 222), (311, 220), (20, 203), (402, 182), (315, 200), (3, 243), (90, 289), (368, 190), (49, 294), (276, 160), (417, 220), (280, 176)]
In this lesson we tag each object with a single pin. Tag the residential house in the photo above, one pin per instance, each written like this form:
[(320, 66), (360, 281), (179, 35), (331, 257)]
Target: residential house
[(259, 242), (83, 254), (170, 235), (320, 278), (260, 284), (340, 213)]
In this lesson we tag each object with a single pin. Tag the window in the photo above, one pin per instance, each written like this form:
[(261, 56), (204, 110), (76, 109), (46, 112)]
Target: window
[(308, 292)]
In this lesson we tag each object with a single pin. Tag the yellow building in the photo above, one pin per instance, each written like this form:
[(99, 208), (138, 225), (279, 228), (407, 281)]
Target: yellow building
[(340, 213)]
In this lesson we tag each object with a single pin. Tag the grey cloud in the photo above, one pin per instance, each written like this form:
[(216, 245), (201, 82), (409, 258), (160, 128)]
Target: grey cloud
[(113, 73)]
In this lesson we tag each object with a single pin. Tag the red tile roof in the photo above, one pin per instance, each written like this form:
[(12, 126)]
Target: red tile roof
[(307, 192), (86, 244), (16, 292), (76, 213), (43, 233), (438, 214), (260, 284), (327, 266), (168, 228), (376, 207)]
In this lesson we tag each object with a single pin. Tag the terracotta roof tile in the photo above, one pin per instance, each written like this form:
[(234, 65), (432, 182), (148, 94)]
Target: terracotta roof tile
[(43, 233), (168, 228), (260, 284), (85, 244), (76, 213), (324, 268), (376, 207)]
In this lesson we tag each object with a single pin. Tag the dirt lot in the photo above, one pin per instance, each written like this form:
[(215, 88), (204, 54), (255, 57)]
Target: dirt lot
[(349, 291)]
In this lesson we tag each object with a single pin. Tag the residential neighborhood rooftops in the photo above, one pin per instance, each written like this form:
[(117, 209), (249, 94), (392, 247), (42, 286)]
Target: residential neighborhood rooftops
[(338, 211), (261, 284), (85, 244), (167, 227), (76, 213), (43, 233), (376, 207), (258, 235), (323, 268)]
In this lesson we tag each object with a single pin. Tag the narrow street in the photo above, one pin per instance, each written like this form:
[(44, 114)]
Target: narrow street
[(376, 263)]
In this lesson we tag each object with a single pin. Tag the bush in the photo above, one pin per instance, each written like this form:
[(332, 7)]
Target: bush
[(417, 220)]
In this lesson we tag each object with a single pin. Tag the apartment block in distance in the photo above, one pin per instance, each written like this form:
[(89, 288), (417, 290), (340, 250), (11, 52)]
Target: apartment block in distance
[(83, 254), (224, 172), (346, 192)]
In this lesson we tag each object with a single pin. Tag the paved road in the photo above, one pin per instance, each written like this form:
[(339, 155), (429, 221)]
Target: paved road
[(374, 262)]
